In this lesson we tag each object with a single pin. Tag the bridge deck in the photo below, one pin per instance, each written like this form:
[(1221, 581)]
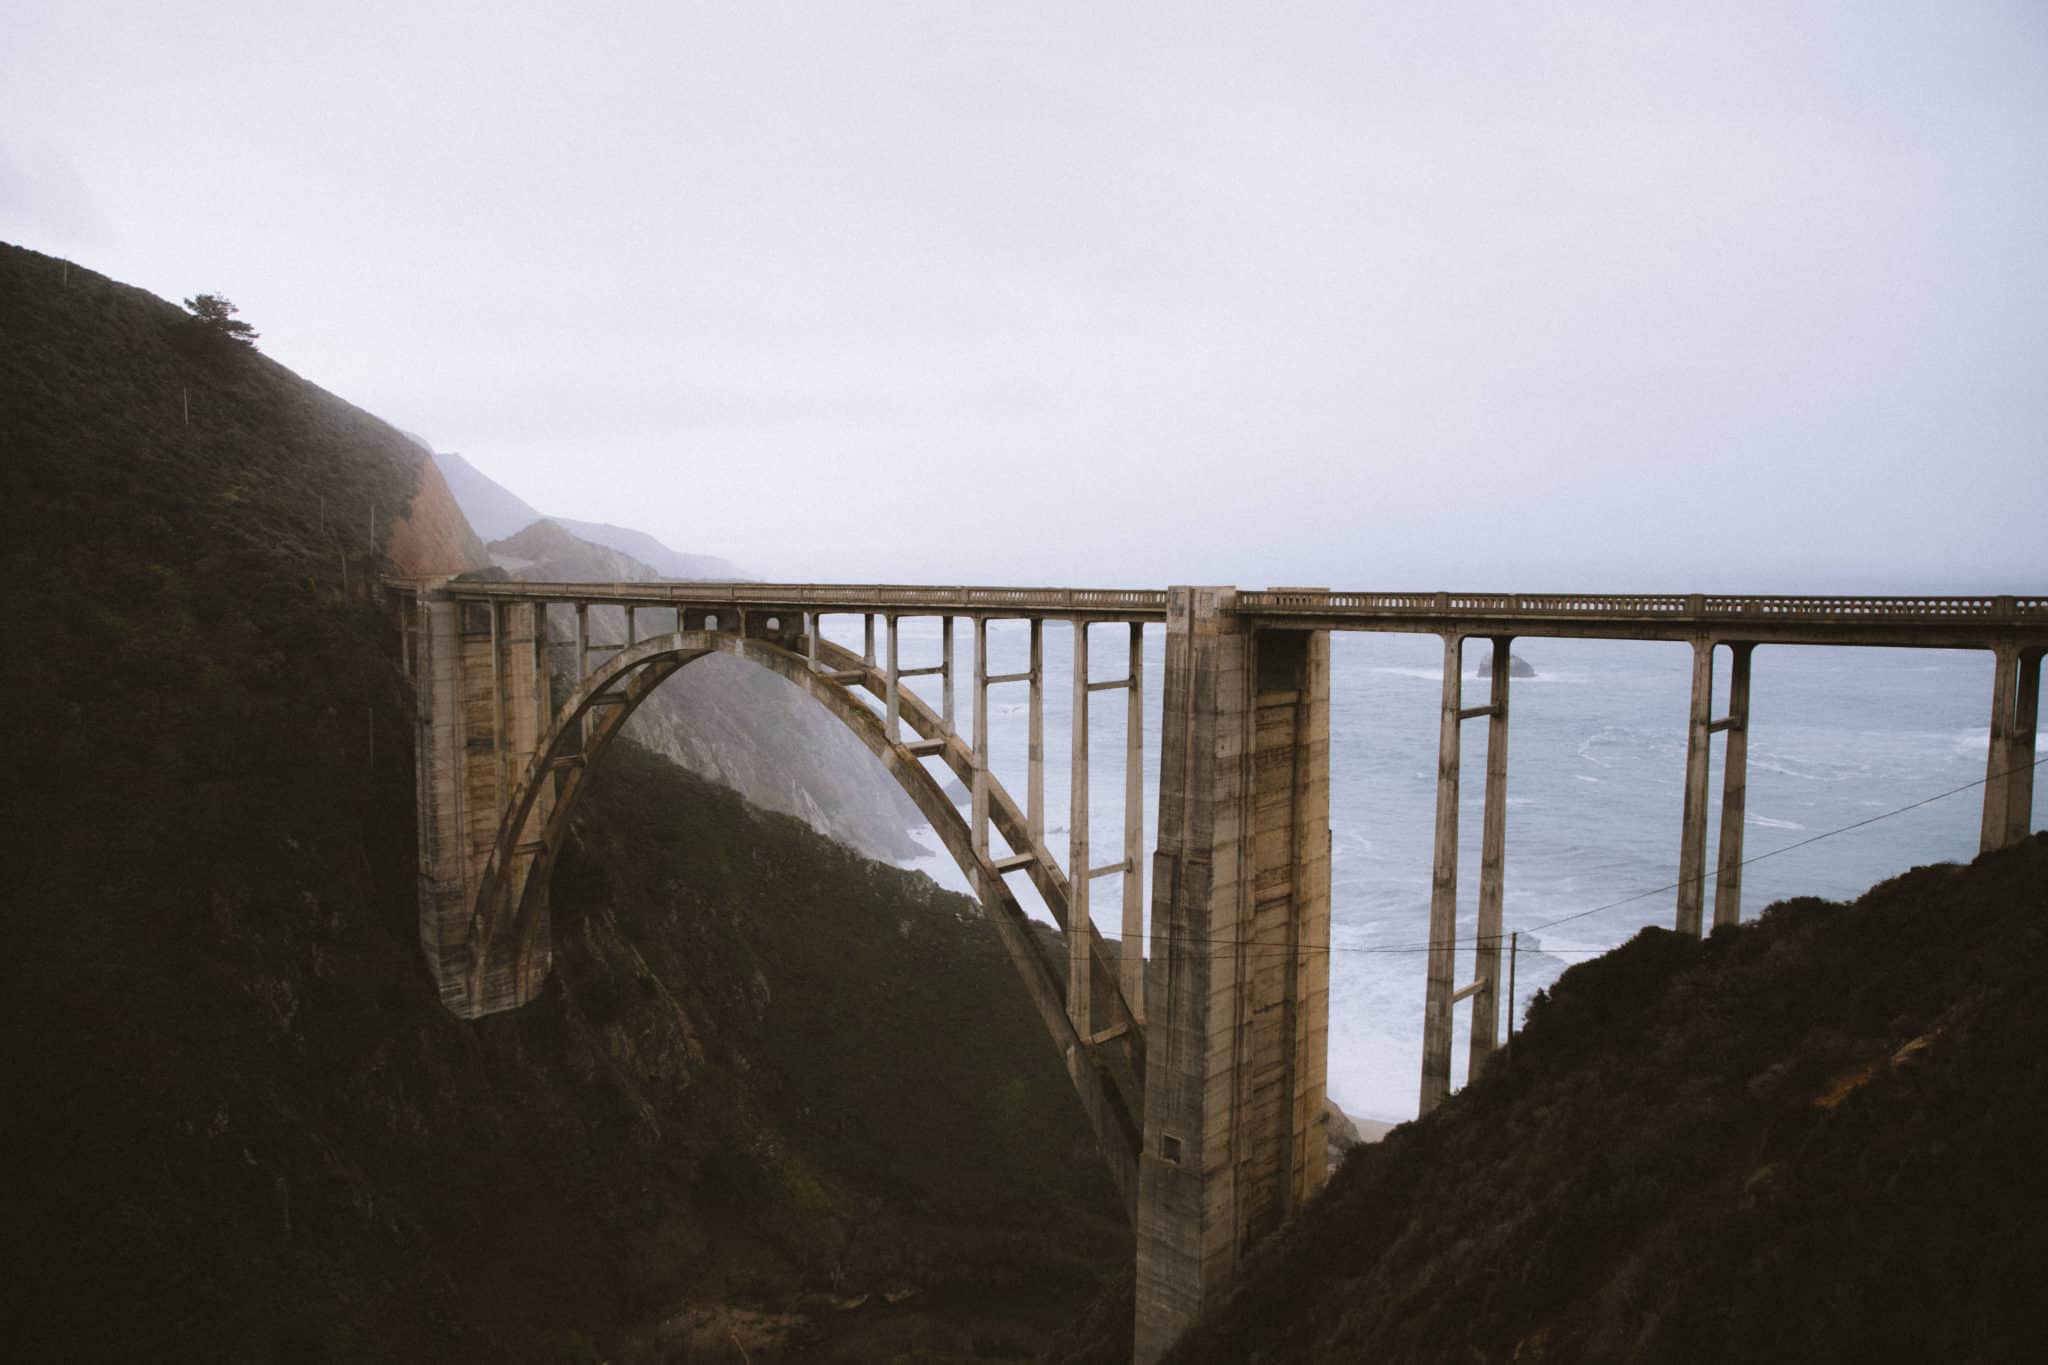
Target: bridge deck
[(1929, 622)]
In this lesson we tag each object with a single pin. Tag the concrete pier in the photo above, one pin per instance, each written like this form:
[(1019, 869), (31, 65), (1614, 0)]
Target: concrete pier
[(1132, 962), (1441, 991), (978, 789), (1443, 887), (1235, 1133), (1734, 789), (1692, 840), (1486, 1001), (1080, 985), (482, 716), (2009, 764), (1034, 790)]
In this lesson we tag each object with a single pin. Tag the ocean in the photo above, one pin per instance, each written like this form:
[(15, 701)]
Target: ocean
[(1596, 766)]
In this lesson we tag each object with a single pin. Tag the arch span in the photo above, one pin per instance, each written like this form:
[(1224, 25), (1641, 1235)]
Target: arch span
[(511, 953)]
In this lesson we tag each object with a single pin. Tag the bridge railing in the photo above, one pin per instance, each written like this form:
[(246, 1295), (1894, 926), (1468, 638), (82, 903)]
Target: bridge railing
[(1657, 606), (847, 596), (1131, 603)]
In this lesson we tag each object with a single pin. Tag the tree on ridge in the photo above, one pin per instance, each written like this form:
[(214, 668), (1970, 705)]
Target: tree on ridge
[(215, 313)]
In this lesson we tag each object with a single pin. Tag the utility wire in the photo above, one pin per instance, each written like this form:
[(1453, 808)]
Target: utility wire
[(1282, 948)]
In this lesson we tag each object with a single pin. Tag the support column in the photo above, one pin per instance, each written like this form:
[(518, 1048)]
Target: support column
[(1692, 840), (1235, 1130), (812, 622), (498, 746), (1443, 890), (633, 626), (1492, 864), (1080, 986), (894, 723), (583, 664), (868, 649), (946, 669), (481, 715), (1734, 790), (1998, 759), (1034, 796), (441, 764), (1131, 963), (2019, 801), (979, 795), (543, 678)]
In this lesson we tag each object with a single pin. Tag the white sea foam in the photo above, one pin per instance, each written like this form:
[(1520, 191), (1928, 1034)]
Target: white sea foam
[(1766, 822)]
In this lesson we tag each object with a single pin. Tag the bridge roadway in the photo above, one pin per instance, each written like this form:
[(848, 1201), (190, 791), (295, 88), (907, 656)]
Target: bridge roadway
[(1222, 1028), (1911, 622)]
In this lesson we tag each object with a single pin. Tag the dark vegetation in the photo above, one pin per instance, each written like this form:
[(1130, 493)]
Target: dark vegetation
[(1814, 1138), (240, 1126), (213, 317)]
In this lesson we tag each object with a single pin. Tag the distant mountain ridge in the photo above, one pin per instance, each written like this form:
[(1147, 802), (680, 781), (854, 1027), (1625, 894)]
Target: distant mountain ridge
[(498, 513), (645, 548), (494, 510)]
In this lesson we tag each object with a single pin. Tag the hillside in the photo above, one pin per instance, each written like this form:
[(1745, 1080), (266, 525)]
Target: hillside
[(240, 1125), (1807, 1139)]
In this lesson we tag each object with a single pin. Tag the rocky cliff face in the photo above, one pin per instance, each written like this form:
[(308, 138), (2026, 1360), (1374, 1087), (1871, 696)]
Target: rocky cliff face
[(729, 721), (433, 537)]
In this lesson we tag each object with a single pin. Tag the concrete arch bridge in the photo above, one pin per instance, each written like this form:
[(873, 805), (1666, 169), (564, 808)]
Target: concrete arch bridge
[(1201, 1066)]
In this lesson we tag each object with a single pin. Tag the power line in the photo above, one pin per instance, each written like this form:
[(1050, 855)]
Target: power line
[(1811, 839), (1283, 948)]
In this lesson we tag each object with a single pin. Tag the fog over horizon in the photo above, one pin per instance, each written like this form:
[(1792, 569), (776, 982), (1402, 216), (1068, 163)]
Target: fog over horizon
[(1502, 297)]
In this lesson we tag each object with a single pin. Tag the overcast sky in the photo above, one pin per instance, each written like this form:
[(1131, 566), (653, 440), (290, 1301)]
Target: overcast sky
[(1415, 296)]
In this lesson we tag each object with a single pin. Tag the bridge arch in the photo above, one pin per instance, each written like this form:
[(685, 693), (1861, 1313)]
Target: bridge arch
[(509, 927)]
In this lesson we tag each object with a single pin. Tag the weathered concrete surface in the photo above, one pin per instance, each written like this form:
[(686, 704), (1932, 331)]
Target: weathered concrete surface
[(1692, 840), (481, 717), (1236, 1129), (1734, 789)]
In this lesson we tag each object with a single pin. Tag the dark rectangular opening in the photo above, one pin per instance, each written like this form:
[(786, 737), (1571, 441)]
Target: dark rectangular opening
[(1282, 656)]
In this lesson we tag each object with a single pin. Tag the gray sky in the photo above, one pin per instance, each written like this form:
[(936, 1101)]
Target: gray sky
[(1496, 296)]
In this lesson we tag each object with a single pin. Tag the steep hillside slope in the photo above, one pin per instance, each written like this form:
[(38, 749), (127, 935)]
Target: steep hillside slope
[(730, 721), (432, 538), (767, 1079), (1812, 1138)]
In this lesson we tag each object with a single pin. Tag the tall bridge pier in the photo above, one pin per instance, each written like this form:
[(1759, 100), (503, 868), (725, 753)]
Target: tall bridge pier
[(1236, 1133)]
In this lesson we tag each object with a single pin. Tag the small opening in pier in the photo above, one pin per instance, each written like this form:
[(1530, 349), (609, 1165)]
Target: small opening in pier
[(1169, 1148), (1282, 655)]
